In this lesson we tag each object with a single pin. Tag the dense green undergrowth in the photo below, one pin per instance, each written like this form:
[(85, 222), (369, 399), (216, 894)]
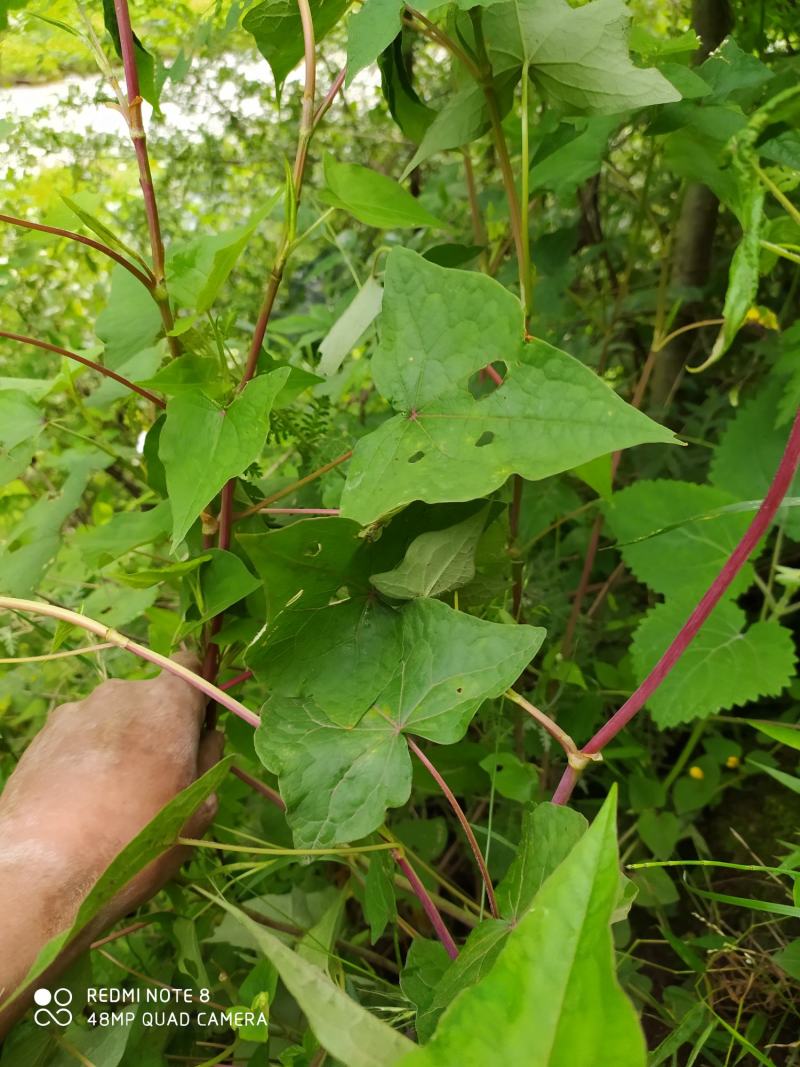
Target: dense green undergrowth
[(456, 384)]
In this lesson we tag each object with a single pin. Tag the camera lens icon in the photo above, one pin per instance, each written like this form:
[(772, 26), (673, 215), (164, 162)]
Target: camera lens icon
[(60, 1014)]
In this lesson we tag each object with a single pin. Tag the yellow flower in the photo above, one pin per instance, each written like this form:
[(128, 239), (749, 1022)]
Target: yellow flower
[(697, 773), (732, 761)]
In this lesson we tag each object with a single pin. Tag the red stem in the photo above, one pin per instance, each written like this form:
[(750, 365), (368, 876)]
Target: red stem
[(105, 371), (758, 527), (428, 906), (260, 787), (139, 139), (321, 111), (147, 281), (245, 676), (463, 820)]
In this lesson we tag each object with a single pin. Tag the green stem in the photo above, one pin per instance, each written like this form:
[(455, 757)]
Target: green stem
[(486, 82), (525, 268), (686, 753)]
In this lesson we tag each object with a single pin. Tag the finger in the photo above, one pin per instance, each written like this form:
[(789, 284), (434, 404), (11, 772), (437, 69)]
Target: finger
[(178, 691)]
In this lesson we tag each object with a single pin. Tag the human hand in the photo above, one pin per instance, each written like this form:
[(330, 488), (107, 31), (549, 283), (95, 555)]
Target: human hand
[(95, 775)]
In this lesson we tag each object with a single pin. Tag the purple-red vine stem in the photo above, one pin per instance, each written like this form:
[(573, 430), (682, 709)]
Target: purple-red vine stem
[(428, 906), (139, 139), (147, 280), (458, 811), (105, 371), (758, 527)]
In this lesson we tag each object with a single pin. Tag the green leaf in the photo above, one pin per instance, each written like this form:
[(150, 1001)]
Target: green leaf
[(130, 320), (438, 327), (224, 580), (559, 957), (346, 1030), (278, 32), (435, 562), (660, 832), (340, 656), (725, 666), (339, 772), (350, 327), (408, 111), (203, 444), (149, 85), (372, 198), (380, 906), (577, 57), (20, 419), (426, 964), (788, 959), (464, 118), (511, 777), (574, 153), (318, 943), (784, 733), (791, 781), (549, 833), (370, 30), (34, 541), (126, 530), (743, 275), (199, 268), (687, 556), (306, 562), (749, 451), (476, 958), (160, 834)]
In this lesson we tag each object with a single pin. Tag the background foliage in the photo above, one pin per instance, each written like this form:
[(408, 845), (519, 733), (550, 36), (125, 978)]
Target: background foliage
[(659, 218)]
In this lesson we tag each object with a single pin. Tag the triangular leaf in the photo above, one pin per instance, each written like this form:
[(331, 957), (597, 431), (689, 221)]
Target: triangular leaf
[(438, 327), (203, 444)]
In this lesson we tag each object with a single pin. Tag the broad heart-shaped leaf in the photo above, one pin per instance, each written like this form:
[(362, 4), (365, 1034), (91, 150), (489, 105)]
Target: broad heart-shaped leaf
[(578, 57), (370, 30), (438, 327), (340, 656), (278, 32), (435, 562), (305, 562), (338, 776), (160, 833), (351, 1034), (372, 198), (203, 444), (552, 998), (724, 667), (749, 451), (691, 551)]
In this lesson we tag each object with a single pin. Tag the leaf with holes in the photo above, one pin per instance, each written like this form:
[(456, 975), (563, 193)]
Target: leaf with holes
[(438, 328), (339, 776)]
